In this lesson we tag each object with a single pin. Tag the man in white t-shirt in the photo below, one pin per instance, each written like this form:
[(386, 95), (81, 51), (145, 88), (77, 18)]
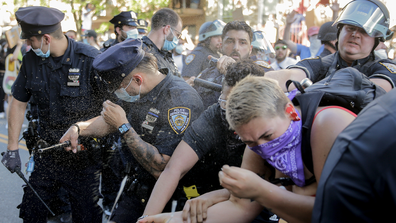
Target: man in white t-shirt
[(281, 52), (87, 14)]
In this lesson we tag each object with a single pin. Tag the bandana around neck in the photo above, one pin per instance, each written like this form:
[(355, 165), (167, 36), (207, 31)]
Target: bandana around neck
[(284, 153)]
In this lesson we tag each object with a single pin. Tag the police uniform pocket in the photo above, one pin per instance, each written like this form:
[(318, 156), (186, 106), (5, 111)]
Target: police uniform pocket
[(39, 91), (74, 100)]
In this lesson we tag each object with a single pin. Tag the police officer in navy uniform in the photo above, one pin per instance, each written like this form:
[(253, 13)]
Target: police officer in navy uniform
[(142, 27), (58, 74), (357, 38), (125, 26), (166, 26), (157, 109), (237, 37), (209, 44)]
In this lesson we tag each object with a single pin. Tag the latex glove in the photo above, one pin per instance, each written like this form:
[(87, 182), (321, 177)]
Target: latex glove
[(11, 160)]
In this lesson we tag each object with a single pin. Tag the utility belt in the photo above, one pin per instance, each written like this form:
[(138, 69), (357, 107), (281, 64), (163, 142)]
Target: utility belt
[(135, 188)]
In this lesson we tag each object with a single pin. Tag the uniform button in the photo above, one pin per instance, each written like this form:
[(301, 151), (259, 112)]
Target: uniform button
[(122, 75)]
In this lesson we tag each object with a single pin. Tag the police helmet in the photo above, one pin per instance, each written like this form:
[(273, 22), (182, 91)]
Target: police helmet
[(370, 15), (209, 29), (327, 32), (261, 43)]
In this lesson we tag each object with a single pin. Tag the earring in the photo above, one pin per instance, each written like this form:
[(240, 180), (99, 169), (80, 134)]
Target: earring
[(290, 110)]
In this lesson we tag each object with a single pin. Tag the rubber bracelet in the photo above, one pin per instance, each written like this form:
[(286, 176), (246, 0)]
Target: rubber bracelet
[(141, 217), (78, 128)]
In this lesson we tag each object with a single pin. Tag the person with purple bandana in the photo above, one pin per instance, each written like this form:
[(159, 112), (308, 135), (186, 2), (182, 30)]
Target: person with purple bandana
[(270, 125)]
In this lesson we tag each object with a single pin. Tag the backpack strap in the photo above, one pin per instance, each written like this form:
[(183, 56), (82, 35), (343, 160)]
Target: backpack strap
[(296, 84), (308, 104)]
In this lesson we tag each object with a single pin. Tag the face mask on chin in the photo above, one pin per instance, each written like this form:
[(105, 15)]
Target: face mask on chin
[(124, 95), (40, 53), (170, 45)]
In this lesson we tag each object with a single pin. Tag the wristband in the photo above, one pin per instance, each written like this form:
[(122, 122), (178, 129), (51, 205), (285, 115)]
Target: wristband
[(78, 128)]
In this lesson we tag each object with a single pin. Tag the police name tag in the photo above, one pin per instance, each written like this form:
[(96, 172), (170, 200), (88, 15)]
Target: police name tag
[(179, 118), (73, 79), (151, 119)]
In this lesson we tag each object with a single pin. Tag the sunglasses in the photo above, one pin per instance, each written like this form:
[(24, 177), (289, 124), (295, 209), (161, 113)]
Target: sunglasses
[(279, 47)]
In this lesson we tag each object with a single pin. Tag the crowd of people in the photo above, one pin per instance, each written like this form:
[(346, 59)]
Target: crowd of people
[(222, 139)]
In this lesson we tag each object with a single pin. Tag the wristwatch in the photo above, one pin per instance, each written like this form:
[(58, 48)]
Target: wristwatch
[(124, 128)]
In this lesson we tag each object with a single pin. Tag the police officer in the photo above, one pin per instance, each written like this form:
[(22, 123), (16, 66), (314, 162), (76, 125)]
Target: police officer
[(209, 44), (125, 25), (142, 27), (237, 37), (158, 108), (262, 48), (57, 73), (207, 145), (357, 39), (166, 26), (328, 37)]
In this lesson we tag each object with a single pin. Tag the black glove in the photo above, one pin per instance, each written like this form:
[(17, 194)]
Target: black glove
[(11, 160)]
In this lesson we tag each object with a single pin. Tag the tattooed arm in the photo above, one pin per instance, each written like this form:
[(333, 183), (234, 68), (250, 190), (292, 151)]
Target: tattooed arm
[(146, 154)]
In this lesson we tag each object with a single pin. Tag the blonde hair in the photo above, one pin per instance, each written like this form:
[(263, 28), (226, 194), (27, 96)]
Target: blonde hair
[(255, 97)]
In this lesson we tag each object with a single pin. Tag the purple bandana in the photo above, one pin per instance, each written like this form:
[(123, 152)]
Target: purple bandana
[(284, 153)]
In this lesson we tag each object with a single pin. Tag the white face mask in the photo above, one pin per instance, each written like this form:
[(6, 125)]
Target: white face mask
[(124, 95)]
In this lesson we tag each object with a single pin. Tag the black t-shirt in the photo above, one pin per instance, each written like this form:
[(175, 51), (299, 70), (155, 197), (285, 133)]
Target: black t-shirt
[(215, 144), (358, 181)]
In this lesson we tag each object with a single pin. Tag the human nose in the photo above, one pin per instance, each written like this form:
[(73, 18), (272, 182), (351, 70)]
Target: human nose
[(236, 46)]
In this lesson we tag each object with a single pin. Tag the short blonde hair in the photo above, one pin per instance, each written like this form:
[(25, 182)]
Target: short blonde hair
[(255, 97)]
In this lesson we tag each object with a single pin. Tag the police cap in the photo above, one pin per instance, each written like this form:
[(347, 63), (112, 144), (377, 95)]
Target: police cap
[(142, 26), (118, 61), (38, 20), (125, 18)]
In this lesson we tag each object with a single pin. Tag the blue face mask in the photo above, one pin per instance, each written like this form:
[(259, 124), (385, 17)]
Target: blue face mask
[(170, 45), (85, 41), (123, 94), (132, 34), (40, 53)]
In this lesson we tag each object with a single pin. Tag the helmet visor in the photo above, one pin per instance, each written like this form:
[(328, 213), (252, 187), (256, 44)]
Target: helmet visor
[(366, 15), (261, 43)]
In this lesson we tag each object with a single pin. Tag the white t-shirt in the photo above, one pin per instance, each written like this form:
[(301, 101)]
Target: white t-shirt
[(284, 64)]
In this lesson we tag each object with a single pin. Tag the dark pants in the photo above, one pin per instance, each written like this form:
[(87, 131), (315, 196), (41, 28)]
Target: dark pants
[(80, 178), (128, 209)]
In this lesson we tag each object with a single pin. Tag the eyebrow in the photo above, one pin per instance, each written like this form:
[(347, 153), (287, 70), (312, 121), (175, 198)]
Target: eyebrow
[(262, 136), (235, 38)]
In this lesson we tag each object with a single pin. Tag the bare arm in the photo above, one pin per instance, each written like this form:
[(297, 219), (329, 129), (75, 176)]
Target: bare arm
[(183, 159), (286, 74), (382, 83), (15, 121), (286, 34)]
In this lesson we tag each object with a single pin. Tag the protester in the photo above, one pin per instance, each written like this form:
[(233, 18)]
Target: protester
[(157, 109), (87, 13), (270, 125), (281, 56), (237, 37)]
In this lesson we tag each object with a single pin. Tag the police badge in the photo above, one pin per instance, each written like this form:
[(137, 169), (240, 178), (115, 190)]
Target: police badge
[(74, 77), (179, 118)]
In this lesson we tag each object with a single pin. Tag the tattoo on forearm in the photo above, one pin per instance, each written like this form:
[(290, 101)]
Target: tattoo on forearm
[(146, 154)]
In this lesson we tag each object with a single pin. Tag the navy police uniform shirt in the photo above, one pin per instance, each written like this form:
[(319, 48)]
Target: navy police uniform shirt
[(358, 180), (161, 118), (215, 145), (212, 74), (318, 68), (197, 61), (164, 58), (109, 43), (66, 91)]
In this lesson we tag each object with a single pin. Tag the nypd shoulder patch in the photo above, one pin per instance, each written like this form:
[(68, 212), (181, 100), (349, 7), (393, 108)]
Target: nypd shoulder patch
[(179, 118), (262, 63), (390, 66), (189, 58)]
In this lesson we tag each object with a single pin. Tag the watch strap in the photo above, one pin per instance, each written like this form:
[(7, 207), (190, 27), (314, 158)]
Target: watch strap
[(124, 128)]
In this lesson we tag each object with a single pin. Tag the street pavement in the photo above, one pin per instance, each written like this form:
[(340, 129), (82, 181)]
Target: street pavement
[(11, 184)]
